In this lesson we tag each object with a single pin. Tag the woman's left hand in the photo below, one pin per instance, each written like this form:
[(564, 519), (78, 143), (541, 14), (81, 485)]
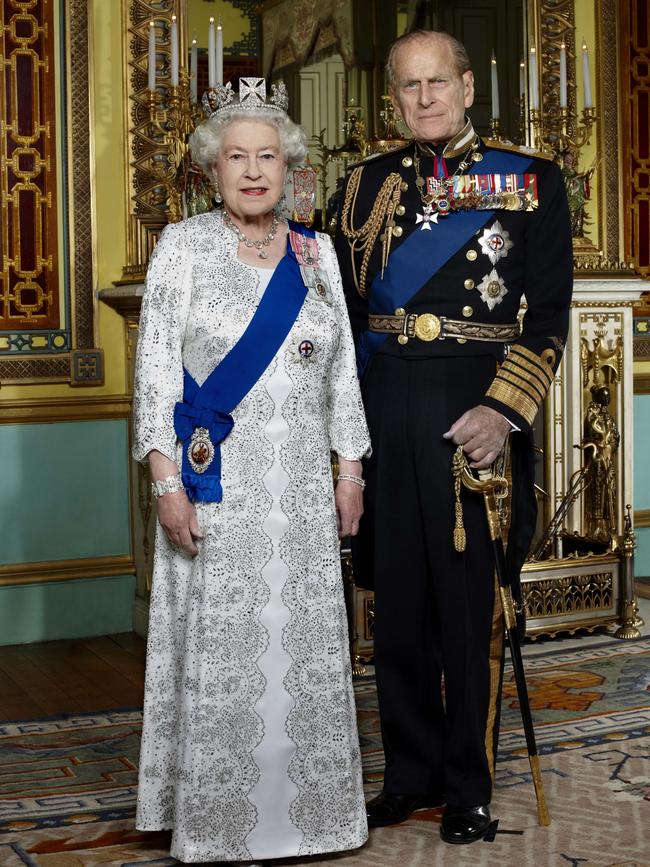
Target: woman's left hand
[(348, 498)]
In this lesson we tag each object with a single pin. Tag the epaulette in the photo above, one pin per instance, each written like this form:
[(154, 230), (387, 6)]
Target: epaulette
[(379, 155), (524, 150)]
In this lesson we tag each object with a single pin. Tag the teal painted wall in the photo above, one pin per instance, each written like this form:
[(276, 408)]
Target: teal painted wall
[(64, 496), (66, 609), (642, 480), (65, 490)]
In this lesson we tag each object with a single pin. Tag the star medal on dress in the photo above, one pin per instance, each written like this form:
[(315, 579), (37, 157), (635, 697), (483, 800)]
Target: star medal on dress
[(304, 352), (200, 451), (492, 289), (495, 242)]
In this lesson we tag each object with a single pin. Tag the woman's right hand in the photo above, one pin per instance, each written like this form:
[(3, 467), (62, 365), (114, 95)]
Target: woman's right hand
[(178, 519)]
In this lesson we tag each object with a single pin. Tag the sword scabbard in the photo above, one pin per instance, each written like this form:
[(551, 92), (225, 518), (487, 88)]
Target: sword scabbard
[(508, 606), (543, 817)]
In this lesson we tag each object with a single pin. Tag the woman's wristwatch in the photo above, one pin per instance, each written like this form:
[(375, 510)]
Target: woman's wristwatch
[(170, 485)]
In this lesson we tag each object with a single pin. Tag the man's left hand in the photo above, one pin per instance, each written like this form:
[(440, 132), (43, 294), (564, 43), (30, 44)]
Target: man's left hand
[(481, 431)]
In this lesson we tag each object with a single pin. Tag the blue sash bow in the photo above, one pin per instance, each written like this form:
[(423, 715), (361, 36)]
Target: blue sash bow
[(422, 254), (203, 420)]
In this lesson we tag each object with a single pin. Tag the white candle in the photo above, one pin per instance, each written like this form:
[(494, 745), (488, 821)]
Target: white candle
[(212, 78), (219, 53), (151, 57), (193, 72), (173, 36), (495, 88), (585, 76), (532, 75), (563, 102), (522, 78)]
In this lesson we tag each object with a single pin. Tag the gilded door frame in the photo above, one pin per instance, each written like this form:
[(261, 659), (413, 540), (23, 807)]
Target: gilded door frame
[(81, 363), (549, 22)]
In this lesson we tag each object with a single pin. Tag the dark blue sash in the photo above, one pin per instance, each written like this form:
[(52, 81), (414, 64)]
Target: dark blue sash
[(422, 254), (210, 406)]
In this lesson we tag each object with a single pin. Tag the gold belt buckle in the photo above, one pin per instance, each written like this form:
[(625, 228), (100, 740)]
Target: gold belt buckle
[(427, 326)]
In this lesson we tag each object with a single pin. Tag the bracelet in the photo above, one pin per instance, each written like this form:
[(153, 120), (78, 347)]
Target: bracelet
[(170, 485), (357, 480)]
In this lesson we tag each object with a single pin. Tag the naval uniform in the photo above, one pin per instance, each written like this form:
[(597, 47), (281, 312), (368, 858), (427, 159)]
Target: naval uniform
[(467, 266)]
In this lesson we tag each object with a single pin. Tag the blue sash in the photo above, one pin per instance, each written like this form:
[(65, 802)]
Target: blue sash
[(422, 254), (203, 420)]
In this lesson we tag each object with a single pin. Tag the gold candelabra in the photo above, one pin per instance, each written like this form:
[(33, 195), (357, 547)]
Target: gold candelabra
[(387, 114), (560, 141), (357, 146), (495, 129), (173, 116)]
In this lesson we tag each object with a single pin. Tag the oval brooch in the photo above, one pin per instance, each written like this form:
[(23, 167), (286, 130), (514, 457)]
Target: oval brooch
[(200, 451)]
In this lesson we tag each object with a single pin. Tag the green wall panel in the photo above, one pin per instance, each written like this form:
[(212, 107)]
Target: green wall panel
[(642, 553), (642, 480), (65, 490), (642, 451), (66, 609)]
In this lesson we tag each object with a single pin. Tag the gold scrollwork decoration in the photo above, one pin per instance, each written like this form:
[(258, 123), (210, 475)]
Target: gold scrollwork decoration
[(38, 331), (569, 595)]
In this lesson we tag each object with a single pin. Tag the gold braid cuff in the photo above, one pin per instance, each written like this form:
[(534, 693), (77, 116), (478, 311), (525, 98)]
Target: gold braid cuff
[(363, 240), (523, 380)]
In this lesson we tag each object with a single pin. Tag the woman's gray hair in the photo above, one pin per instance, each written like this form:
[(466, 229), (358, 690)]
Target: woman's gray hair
[(457, 49), (205, 141)]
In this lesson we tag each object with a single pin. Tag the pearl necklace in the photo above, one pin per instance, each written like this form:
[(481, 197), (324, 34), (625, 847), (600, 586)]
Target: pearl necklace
[(248, 242)]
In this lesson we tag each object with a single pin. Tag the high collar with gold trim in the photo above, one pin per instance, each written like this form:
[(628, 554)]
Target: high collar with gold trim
[(457, 144)]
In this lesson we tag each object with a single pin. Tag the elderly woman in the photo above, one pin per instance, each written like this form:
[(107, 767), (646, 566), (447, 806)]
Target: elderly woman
[(245, 382)]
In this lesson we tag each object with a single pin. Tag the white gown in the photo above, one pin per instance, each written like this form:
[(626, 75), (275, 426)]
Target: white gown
[(250, 746)]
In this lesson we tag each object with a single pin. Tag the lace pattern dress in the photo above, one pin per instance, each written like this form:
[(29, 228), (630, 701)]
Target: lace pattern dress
[(250, 746)]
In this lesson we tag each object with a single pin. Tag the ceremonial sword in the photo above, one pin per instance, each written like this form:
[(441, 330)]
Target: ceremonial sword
[(495, 488)]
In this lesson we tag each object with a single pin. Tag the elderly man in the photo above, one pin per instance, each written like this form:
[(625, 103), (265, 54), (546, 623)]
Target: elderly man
[(438, 242)]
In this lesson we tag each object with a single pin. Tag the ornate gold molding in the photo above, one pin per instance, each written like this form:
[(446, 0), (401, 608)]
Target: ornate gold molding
[(550, 22), (642, 383), (642, 518), (570, 562), (609, 304), (34, 410), (65, 570), (635, 183), (607, 132), (145, 196), (554, 23), (54, 357)]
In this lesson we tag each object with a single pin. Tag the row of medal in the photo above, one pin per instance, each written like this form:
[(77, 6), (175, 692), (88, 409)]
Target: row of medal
[(509, 192)]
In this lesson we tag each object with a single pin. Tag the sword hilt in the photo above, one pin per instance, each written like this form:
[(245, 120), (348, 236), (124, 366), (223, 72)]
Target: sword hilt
[(492, 487), (486, 483)]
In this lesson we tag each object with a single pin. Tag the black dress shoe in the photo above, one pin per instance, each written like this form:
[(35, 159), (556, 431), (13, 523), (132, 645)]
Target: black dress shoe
[(389, 809), (464, 824)]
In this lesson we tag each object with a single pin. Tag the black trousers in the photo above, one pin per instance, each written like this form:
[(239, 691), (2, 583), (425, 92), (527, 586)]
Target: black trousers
[(437, 615)]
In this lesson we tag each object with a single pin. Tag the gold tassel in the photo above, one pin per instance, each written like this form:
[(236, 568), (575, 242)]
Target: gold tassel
[(460, 536)]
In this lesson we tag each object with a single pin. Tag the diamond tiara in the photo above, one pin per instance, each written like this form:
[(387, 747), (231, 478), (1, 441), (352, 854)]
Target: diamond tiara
[(221, 101)]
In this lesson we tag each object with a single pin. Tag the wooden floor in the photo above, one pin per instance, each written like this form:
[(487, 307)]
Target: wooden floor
[(55, 677), (91, 674)]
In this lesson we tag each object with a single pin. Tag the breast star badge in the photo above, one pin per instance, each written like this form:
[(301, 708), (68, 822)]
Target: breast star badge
[(492, 289), (495, 242)]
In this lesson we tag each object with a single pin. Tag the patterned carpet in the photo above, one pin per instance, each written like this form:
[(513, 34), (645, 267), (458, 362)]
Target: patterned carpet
[(67, 786)]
